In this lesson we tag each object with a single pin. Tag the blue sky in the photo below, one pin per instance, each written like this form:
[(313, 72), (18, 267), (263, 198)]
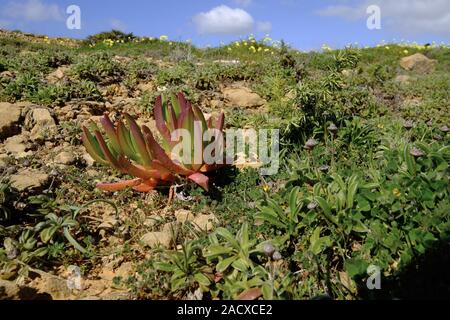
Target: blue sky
[(303, 24)]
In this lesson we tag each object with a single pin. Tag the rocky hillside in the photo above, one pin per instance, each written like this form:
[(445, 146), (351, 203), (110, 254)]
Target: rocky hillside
[(384, 175)]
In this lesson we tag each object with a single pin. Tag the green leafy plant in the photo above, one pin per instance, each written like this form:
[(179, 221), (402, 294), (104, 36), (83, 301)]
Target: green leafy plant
[(284, 218), (232, 251), (100, 67), (186, 267)]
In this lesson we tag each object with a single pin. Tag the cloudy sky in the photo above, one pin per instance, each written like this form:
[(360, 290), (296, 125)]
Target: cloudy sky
[(305, 24)]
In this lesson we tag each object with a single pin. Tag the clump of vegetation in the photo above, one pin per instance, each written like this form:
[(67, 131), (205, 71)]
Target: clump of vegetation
[(99, 68), (113, 35), (137, 153), (363, 182)]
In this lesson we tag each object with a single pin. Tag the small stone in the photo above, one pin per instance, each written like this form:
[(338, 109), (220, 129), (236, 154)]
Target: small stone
[(324, 168), (153, 239), (419, 63), (205, 222), (183, 215), (65, 157), (16, 146), (29, 180), (56, 287), (3, 161), (88, 160), (42, 123), (10, 115), (445, 129), (9, 290), (11, 170), (242, 97)]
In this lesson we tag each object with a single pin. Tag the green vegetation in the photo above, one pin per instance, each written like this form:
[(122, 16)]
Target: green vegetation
[(363, 178)]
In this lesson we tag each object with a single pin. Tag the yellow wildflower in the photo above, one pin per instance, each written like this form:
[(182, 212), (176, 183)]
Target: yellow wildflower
[(163, 38), (396, 192)]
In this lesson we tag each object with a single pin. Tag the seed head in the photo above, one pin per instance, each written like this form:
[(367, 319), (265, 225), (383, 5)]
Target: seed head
[(312, 205), (332, 128), (445, 129), (416, 152), (269, 249), (408, 124), (276, 256), (310, 144)]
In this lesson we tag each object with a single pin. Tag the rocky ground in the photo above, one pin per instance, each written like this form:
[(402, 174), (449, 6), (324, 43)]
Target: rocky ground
[(41, 155)]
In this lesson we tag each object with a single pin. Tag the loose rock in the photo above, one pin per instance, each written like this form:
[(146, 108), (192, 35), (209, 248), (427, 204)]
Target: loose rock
[(242, 97), (153, 239), (16, 146), (65, 157), (205, 222), (183, 215), (10, 115), (29, 180), (419, 63), (42, 123)]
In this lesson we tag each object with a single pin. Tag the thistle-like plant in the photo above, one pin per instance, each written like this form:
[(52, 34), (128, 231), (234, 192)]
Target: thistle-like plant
[(133, 150)]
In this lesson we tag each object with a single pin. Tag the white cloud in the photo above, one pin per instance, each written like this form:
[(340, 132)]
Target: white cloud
[(224, 20), (408, 16), (32, 11), (243, 3), (118, 24), (346, 12), (264, 26)]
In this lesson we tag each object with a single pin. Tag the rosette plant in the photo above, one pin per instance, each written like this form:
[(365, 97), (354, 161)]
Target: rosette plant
[(133, 150)]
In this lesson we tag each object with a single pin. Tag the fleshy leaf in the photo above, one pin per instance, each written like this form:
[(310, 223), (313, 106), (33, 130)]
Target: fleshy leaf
[(200, 179), (159, 119), (108, 126), (159, 154), (220, 122), (92, 146), (250, 294), (139, 140), (175, 104), (137, 170), (123, 136), (117, 186), (146, 186), (106, 151)]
